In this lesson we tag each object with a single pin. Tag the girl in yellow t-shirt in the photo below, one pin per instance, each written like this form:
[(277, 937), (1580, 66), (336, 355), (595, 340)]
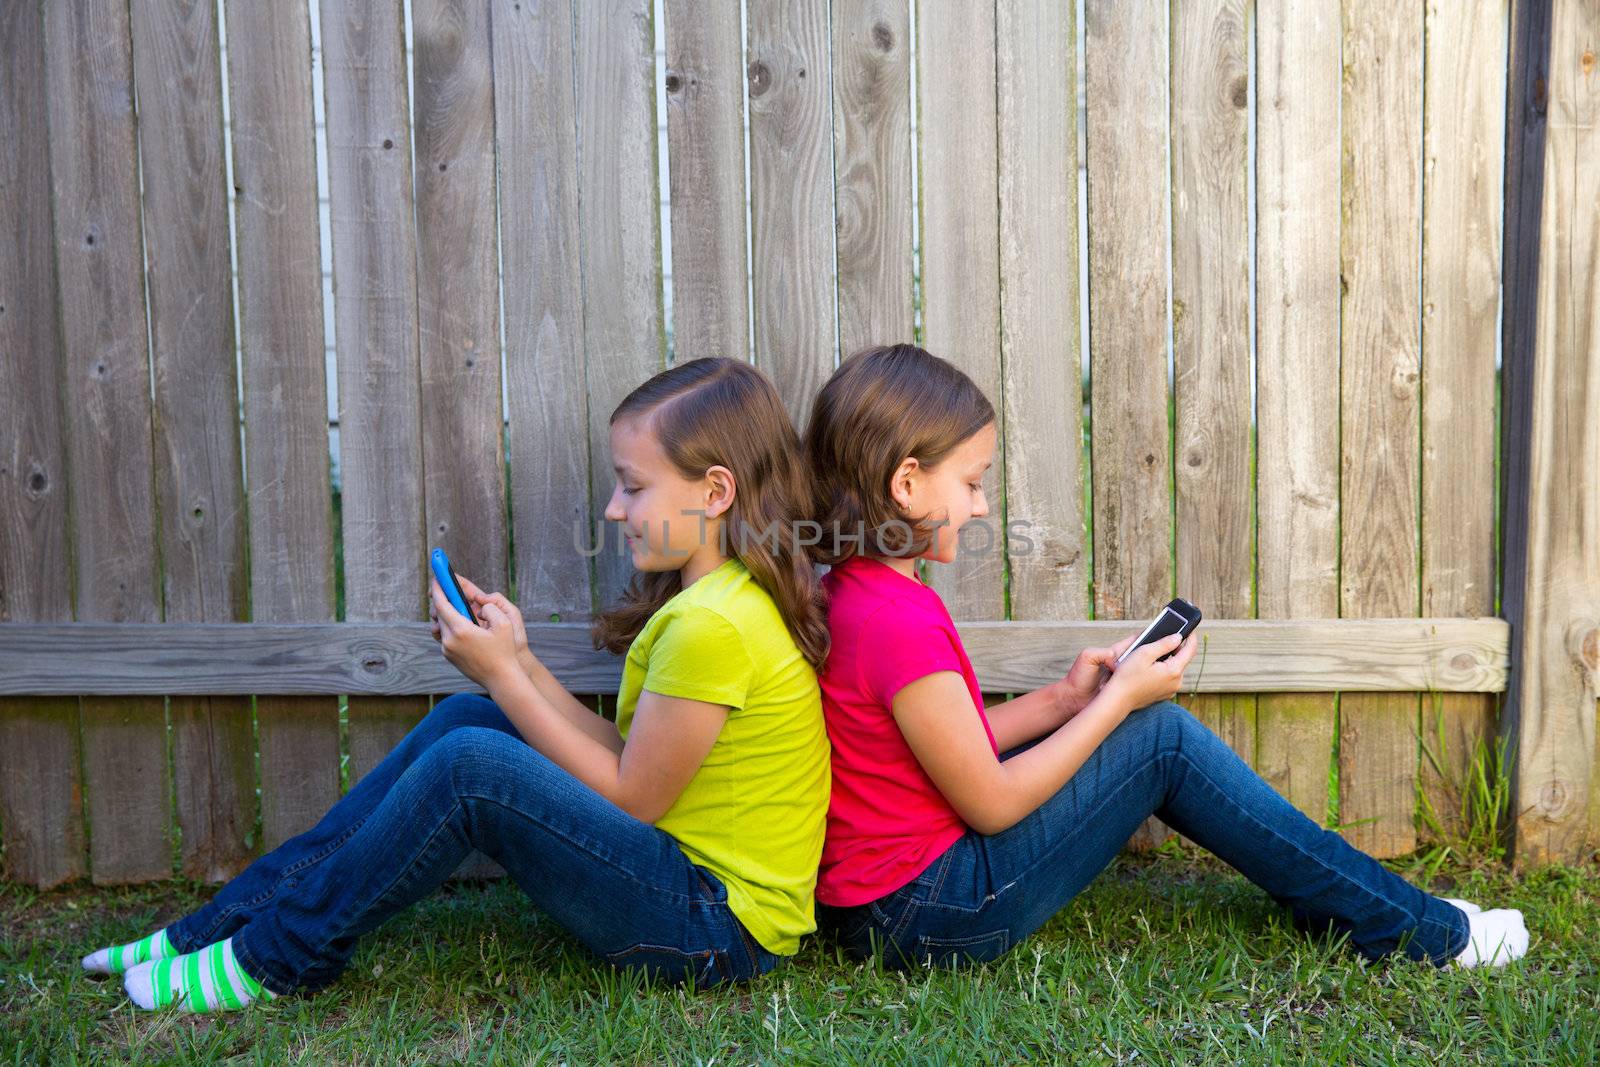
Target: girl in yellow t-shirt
[(683, 839)]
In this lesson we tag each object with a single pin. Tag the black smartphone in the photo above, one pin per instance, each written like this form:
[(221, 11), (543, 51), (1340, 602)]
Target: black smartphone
[(1178, 617)]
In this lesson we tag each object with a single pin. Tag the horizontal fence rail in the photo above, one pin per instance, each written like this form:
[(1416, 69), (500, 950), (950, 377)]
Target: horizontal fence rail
[(1235, 656)]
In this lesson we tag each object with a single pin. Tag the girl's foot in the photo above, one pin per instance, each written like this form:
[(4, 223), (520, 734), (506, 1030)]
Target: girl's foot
[(1495, 938), (208, 980), (1465, 905), (119, 958)]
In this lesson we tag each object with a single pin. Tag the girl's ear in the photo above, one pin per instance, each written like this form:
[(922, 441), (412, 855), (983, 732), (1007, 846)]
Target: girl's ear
[(720, 489), (903, 480)]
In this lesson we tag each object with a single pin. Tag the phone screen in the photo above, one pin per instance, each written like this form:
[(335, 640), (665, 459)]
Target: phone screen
[(462, 593), (1168, 622)]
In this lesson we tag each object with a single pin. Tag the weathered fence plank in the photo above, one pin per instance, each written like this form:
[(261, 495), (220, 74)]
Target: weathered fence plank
[(1552, 437), (1297, 354), (1211, 330), (458, 295), (619, 234), (872, 171), (535, 116), (1125, 61), (199, 478), (705, 140), (1462, 168), (285, 391), (1380, 408), (1039, 315), (100, 265), (374, 245), (957, 146), (41, 787), (791, 196)]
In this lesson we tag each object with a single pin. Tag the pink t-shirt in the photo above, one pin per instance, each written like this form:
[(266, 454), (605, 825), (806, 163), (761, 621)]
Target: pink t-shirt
[(887, 821)]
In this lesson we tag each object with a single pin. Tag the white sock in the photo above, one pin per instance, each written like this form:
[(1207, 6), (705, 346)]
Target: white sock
[(118, 958), (208, 980), (1465, 905), (1494, 938)]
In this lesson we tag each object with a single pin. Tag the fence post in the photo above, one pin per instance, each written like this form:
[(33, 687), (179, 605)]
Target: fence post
[(1551, 442)]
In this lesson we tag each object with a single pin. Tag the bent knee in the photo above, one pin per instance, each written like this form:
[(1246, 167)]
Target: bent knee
[(1168, 721), (466, 709), (480, 761)]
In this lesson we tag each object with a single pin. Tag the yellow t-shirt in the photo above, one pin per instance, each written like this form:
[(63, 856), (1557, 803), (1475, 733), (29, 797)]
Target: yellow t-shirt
[(755, 811)]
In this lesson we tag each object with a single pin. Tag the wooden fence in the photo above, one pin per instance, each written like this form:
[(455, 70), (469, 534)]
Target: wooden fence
[(1323, 209)]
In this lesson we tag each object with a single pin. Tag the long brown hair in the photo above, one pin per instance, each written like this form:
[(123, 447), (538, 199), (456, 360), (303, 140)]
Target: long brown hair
[(715, 411), (882, 405)]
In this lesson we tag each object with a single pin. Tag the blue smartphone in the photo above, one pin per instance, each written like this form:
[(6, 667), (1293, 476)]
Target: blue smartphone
[(452, 588)]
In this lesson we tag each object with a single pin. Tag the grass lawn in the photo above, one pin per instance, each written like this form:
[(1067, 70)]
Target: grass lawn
[(1164, 958)]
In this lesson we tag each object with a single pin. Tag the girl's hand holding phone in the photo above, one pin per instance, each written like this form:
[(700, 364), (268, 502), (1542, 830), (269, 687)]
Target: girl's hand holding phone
[(478, 599), (1086, 676), (1141, 681), (482, 653)]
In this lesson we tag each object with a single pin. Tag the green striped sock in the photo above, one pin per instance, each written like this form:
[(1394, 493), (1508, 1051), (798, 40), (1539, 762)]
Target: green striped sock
[(208, 980), (119, 958)]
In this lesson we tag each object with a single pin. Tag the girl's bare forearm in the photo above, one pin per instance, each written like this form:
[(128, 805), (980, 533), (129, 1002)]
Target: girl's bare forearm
[(571, 708), (1032, 777), (546, 728), (1023, 718)]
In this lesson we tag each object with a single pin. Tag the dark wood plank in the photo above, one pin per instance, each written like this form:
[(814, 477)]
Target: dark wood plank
[(41, 787), (375, 327), (705, 141), (100, 262), (199, 477), (1552, 440), (791, 196), (1242, 655), (872, 171), (285, 391), (535, 120)]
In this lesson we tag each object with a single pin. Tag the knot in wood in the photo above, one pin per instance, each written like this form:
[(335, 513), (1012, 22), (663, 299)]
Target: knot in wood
[(760, 78), (1554, 797)]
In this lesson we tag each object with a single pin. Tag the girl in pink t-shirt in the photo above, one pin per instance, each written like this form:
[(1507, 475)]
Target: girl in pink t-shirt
[(955, 832)]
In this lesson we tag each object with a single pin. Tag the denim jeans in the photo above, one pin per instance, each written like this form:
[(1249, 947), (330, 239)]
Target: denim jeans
[(987, 892), (463, 778)]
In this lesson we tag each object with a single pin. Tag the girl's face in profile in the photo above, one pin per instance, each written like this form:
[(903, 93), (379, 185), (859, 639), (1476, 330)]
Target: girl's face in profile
[(657, 507), (951, 491)]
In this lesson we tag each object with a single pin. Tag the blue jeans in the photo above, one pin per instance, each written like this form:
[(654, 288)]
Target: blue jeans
[(987, 892), (463, 778)]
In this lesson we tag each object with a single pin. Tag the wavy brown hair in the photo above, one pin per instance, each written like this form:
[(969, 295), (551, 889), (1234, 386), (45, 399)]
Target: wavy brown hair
[(723, 412), (882, 405)]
